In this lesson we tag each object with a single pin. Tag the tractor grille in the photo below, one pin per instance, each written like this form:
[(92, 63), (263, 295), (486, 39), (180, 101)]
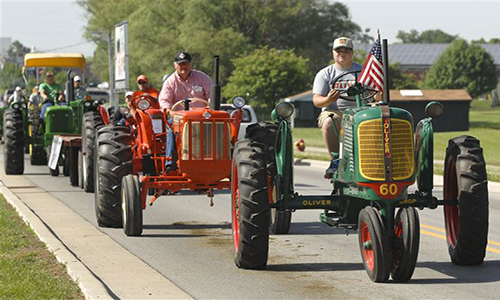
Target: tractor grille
[(348, 146), (371, 150), (202, 140)]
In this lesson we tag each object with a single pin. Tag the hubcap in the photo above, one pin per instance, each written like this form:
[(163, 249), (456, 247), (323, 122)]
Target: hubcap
[(451, 212), (367, 245)]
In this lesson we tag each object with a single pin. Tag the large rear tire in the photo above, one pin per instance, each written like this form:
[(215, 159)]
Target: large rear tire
[(405, 250), (465, 180), (14, 142), (250, 205), (91, 121), (131, 205), (374, 245), (265, 133), (113, 161)]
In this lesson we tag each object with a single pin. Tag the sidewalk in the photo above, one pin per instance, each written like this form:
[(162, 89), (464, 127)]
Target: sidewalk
[(102, 268)]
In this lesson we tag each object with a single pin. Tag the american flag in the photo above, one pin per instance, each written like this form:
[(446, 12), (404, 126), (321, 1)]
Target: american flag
[(373, 71)]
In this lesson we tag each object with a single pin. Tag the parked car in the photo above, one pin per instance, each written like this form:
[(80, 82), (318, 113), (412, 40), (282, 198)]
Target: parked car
[(98, 94), (249, 117)]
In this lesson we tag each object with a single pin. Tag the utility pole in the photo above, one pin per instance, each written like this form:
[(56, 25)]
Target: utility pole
[(112, 98)]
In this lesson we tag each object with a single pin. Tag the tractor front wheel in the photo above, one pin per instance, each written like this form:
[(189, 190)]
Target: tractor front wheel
[(131, 205), (38, 156), (465, 181), (250, 205), (374, 244), (405, 249), (14, 142), (73, 166)]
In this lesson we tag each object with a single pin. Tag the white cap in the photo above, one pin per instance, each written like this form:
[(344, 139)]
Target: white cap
[(77, 78), (129, 94), (343, 42), (18, 88)]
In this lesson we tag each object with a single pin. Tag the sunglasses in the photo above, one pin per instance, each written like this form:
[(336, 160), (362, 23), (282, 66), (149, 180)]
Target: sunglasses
[(142, 82)]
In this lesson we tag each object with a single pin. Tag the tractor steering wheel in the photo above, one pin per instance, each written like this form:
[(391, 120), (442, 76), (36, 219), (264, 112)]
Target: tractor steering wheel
[(348, 91), (191, 101)]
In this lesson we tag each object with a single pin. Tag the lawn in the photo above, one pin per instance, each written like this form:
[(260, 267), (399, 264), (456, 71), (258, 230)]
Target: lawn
[(27, 269), (484, 124)]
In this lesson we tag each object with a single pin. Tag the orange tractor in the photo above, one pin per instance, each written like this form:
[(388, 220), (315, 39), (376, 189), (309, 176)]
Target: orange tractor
[(130, 160)]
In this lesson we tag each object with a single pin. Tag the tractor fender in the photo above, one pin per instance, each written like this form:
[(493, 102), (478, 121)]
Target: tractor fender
[(424, 153)]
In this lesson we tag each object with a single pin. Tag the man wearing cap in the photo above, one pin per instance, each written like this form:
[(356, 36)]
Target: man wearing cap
[(145, 88), (327, 97), (17, 96), (184, 83), (50, 92), (80, 92)]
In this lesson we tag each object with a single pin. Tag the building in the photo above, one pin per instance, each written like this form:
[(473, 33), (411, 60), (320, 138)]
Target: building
[(455, 117)]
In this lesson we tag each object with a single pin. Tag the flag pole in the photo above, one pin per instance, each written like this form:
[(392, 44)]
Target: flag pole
[(385, 56)]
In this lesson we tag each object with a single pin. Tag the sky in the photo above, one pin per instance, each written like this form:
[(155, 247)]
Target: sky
[(57, 25)]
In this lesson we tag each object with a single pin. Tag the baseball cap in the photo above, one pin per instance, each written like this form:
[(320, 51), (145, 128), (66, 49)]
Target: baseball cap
[(182, 56), (18, 88), (49, 73), (343, 42), (129, 93), (142, 77), (77, 78)]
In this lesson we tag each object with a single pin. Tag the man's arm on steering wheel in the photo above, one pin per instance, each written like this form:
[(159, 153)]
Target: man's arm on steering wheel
[(324, 101)]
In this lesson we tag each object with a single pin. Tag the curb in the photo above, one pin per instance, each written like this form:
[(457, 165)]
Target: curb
[(90, 286), (101, 267)]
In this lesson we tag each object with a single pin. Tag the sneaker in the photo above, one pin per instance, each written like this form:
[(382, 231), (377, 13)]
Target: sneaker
[(334, 165)]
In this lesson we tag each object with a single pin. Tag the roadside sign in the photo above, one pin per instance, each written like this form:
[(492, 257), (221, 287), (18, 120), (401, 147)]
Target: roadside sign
[(121, 57)]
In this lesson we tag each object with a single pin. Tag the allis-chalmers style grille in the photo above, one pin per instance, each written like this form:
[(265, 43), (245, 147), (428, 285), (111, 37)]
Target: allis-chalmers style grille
[(372, 149), (202, 140)]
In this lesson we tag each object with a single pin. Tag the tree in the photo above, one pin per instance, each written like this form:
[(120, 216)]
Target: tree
[(17, 49), (267, 75), (10, 76), (427, 36), (398, 80), (463, 66)]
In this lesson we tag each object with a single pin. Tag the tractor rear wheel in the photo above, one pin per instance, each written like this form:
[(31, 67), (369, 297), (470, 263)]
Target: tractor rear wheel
[(113, 161), (14, 142), (405, 249), (131, 205), (465, 180), (73, 166), (38, 156), (265, 133), (250, 205), (66, 166), (90, 123), (374, 244)]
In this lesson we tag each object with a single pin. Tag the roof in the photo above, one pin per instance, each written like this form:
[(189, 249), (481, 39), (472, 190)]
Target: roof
[(62, 60), (425, 54), (433, 95), (428, 95)]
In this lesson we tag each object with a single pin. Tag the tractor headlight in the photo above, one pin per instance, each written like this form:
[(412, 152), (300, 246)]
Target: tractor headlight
[(143, 104), (15, 105), (87, 103), (284, 109), (96, 103), (239, 102), (434, 109)]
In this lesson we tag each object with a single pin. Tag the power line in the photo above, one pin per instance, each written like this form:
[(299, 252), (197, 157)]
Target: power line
[(65, 47)]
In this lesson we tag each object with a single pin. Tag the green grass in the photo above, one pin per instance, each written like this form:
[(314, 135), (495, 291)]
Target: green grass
[(27, 269), (484, 124)]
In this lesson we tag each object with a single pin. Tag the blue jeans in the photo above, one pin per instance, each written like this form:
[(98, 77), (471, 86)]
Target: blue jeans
[(170, 147), (44, 108)]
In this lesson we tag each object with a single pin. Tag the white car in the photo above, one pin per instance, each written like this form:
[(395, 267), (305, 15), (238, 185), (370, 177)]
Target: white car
[(249, 117)]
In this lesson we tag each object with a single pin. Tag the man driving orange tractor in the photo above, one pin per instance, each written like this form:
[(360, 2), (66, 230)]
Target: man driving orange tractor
[(184, 83), (145, 88)]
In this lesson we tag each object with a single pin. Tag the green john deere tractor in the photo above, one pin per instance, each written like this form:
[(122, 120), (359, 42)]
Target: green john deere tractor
[(380, 157), (65, 119)]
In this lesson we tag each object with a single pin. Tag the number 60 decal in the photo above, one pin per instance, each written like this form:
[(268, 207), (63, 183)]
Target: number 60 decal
[(388, 189)]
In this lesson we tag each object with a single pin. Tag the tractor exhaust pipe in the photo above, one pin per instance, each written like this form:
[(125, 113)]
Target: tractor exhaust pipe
[(70, 91), (215, 95), (385, 57)]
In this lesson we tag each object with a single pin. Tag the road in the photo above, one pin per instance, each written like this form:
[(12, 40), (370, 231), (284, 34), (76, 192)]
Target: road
[(189, 243)]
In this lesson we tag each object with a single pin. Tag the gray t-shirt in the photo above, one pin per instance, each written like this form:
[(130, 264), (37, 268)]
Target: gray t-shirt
[(324, 80)]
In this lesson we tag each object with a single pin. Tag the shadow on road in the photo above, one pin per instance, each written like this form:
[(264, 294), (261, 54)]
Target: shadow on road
[(487, 272), (315, 267), (314, 228), (167, 235), (184, 226)]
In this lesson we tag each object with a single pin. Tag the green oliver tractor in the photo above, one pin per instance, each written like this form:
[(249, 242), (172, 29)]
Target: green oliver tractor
[(380, 157)]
